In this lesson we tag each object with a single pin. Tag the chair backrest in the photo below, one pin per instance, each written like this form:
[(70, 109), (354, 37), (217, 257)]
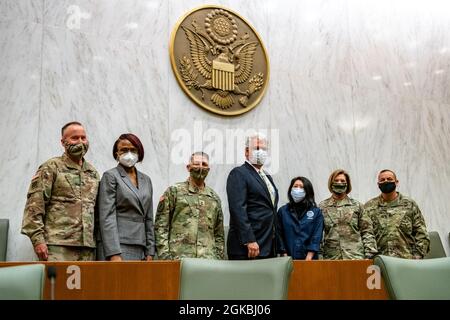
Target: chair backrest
[(436, 247), (4, 227), (24, 282), (408, 279), (266, 279)]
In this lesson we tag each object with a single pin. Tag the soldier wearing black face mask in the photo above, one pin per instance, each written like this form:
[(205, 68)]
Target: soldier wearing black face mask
[(398, 224)]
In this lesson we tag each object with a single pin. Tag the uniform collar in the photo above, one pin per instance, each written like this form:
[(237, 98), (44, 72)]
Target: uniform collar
[(392, 203), (343, 202), (195, 189), (70, 164)]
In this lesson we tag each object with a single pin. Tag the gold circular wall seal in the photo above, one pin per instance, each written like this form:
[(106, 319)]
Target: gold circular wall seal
[(219, 60)]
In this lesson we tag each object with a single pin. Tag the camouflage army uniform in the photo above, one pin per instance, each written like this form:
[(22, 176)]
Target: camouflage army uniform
[(70, 253), (348, 232), (60, 207), (189, 223), (399, 227)]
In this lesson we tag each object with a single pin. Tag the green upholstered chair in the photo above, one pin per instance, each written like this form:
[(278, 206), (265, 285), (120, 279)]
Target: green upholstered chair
[(24, 282), (265, 279), (4, 227), (410, 279), (436, 247)]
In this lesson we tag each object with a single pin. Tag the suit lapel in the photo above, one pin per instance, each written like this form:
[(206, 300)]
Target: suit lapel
[(260, 180), (130, 185), (142, 189), (274, 187)]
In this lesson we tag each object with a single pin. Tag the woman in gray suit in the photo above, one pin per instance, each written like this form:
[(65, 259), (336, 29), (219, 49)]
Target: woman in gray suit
[(125, 206)]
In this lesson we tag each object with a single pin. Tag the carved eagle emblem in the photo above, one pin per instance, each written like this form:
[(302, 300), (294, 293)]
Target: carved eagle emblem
[(219, 61)]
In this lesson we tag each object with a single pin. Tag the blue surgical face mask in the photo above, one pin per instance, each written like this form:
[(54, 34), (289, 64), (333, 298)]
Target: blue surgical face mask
[(298, 194)]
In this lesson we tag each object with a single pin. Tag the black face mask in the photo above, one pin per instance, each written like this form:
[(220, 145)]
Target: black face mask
[(387, 187)]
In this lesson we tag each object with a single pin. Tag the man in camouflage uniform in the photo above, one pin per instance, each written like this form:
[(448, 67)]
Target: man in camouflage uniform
[(399, 226), (348, 231), (189, 219), (59, 212)]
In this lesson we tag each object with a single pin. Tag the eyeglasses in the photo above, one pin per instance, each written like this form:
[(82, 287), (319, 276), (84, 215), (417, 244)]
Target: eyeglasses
[(125, 150)]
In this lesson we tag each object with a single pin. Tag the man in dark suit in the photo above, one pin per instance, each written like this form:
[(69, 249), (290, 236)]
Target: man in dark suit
[(252, 199)]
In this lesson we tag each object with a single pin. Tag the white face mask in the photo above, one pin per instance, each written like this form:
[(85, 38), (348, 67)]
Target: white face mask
[(258, 156), (128, 159)]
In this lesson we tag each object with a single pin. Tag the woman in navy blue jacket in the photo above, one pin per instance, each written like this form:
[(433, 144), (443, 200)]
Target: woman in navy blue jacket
[(300, 222)]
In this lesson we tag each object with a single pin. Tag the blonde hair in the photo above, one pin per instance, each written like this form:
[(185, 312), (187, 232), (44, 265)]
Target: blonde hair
[(334, 174)]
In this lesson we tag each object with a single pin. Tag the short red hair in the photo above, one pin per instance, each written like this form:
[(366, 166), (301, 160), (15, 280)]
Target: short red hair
[(134, 141)]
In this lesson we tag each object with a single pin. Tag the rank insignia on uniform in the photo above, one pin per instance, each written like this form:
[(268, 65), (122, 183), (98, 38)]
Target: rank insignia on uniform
[(219, 60), (35, 182)]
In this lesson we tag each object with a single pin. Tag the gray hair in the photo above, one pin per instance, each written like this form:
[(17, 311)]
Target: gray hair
[(68, 125), (258, 136), (199, 153)]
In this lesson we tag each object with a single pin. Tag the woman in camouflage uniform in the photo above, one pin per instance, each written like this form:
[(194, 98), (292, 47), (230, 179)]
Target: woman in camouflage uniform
[(348, 232)]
